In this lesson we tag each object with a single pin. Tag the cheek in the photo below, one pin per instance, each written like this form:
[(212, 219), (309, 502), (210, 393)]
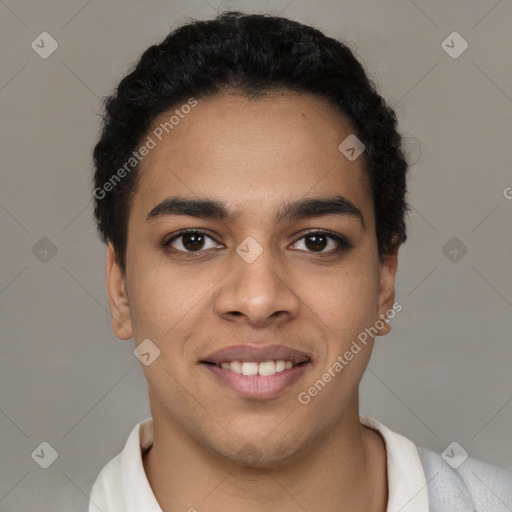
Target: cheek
[(345, 308), (345, 300), (164, 301)]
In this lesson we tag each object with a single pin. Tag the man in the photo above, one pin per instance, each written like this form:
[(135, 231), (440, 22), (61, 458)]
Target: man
[(250, 184)]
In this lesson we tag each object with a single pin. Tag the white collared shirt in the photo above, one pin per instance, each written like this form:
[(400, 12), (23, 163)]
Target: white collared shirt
[(122, 485)]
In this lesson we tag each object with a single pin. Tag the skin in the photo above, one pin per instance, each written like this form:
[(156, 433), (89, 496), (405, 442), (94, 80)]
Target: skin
[(213, 449)]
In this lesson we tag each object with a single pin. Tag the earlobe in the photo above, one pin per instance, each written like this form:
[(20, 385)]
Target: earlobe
[(386, 298), (118, 297)]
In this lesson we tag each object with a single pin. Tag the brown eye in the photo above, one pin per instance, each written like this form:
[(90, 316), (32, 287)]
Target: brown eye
[(190, 241), (193, 241), (316, 242), (324, 242)]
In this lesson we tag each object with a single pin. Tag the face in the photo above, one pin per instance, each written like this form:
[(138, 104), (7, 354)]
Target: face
[(279, 263)]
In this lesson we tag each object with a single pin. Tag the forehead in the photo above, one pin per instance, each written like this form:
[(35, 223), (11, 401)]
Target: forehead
[(251, 153)]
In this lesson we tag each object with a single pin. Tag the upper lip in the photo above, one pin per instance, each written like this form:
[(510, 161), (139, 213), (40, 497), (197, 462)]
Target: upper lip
[(258, 354)]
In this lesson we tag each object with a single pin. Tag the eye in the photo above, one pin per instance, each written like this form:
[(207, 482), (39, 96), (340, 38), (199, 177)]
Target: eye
[(319, 241), (189, 241), (192, 241)]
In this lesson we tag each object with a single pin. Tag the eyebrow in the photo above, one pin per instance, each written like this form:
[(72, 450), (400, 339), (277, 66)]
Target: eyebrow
[(294, 210)]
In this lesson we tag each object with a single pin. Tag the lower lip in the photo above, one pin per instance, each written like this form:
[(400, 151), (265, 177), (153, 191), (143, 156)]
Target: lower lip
[(258, 386)]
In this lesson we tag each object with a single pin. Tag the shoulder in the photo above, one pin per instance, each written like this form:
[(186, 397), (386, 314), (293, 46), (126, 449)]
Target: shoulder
[(471, 486), (123, 480), (107, 488)]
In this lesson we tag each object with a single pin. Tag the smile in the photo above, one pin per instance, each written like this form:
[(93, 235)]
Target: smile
[(265, 368)]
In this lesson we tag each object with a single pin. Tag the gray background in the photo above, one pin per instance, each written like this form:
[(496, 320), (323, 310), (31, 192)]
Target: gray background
[(444, 373)]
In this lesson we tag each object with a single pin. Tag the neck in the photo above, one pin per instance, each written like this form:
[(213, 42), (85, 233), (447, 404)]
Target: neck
[(342, 471)]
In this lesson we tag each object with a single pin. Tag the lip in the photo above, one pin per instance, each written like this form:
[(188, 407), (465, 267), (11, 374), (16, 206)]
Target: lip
[(257, 386)]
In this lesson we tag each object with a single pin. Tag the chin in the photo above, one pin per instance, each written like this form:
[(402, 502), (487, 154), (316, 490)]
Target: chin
[(261, 451)]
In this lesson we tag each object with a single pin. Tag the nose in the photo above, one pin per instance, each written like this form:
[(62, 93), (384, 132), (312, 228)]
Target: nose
[(257, 293)]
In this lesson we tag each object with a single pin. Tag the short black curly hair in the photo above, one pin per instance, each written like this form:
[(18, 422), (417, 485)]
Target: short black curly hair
[(252, 54)]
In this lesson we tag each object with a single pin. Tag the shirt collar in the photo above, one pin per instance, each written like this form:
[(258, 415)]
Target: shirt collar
[(407, 486), (137, 493)]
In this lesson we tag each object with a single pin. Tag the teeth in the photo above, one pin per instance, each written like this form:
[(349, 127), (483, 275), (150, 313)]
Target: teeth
[(264, 369), (249, 368), (280, 366), (267, 368), (235, 366)]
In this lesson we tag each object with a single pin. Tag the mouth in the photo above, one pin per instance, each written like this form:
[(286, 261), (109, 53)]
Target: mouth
[(257, 372)]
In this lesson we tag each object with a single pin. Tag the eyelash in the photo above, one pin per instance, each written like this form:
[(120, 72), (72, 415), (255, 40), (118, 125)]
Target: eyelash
[(343, 243)]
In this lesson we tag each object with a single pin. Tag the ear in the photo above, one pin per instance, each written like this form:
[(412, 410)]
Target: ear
[(388, 267), (118, 297)]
